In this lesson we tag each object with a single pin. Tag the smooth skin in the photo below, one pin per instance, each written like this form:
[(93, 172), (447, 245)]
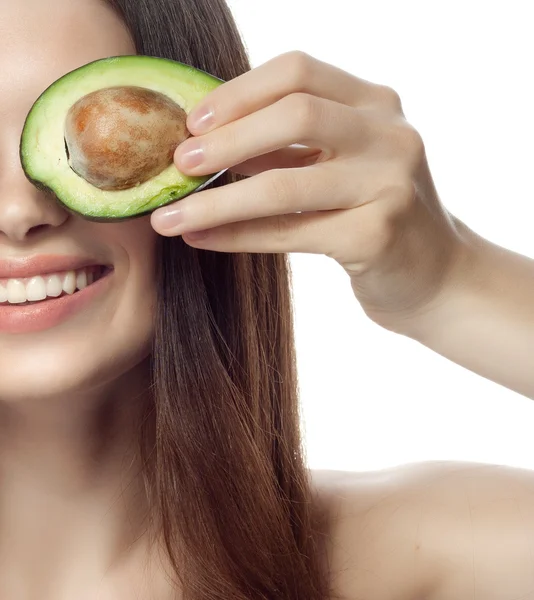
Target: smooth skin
[(70, 503), (367, 200)]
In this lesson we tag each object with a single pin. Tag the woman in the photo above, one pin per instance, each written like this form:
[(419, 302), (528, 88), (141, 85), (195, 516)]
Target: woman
[(150, 439)]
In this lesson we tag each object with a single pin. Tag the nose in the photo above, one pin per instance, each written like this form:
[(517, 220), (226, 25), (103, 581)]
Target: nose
[(25, 210)]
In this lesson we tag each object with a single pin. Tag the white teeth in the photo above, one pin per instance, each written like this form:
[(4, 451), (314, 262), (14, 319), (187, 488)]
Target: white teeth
[(69, 283), (81, 280), (54, 287), (36, 289), (16, 291)]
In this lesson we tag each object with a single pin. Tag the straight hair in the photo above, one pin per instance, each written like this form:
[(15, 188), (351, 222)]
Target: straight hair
[(225, 461)]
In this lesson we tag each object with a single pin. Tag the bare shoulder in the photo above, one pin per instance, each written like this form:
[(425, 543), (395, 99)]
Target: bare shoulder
[(433, 531)]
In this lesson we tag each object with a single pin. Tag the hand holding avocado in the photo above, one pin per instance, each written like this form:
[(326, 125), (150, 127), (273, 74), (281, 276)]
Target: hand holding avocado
[(360, 192), (363, 194)]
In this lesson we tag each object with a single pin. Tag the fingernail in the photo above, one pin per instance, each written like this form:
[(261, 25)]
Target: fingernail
[(167, 218), (193, 157), (201, 120)]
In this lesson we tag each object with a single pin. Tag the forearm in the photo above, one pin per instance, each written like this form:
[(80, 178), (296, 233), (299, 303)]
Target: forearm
[(483, 319)]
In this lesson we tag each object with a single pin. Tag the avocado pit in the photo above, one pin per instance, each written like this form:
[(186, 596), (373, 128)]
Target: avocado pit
[(119, 137)]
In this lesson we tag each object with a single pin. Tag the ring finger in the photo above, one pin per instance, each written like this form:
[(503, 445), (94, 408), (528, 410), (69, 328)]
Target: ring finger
[(329, 186)]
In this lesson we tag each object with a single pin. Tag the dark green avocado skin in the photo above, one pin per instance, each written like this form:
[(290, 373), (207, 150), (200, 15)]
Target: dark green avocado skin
[(40, 185), (49, 192)]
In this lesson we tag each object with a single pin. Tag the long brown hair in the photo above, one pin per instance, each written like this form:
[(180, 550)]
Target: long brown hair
[(229, 481)]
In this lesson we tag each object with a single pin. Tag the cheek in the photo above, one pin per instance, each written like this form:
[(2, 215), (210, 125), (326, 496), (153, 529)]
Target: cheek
[(105, 342), (136, 241), (136, 272)]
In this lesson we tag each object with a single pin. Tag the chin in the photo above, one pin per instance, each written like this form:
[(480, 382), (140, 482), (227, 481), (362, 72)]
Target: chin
[(88, 361)]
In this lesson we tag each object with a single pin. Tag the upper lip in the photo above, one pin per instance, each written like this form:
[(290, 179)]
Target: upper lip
[(41, 265)]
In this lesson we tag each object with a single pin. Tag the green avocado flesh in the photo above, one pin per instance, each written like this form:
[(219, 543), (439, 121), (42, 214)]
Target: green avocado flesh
[(43, 151)]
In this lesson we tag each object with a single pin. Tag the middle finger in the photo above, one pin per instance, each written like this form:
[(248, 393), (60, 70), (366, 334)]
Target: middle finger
[(299, 118)]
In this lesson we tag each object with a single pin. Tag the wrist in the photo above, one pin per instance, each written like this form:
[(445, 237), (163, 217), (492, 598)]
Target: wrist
[(482, 318), (484, 285), (461, 282)]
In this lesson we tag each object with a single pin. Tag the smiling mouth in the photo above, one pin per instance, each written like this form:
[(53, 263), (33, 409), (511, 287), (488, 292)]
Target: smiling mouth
[(49, 287)]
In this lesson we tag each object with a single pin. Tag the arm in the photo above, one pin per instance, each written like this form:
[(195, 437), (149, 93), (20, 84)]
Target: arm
[(483, 319)]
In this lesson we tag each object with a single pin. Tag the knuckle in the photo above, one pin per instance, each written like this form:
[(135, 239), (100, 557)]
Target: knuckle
[(281, 187), (397, 198), (373, 234), (383, 223), (389, 97), (403, 192), (412, 143), (297, 68), (405, 141), (303, 109), (283, 230)]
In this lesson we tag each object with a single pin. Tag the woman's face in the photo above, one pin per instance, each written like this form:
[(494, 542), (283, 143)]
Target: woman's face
[(65, 344)]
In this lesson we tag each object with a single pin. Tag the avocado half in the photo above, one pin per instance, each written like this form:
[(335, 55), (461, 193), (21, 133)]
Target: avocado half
[(56, 157)]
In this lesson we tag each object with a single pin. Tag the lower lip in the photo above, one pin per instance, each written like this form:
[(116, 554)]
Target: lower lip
[(43, 315)]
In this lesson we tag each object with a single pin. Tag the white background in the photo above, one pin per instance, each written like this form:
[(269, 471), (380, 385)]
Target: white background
[(372, 399)]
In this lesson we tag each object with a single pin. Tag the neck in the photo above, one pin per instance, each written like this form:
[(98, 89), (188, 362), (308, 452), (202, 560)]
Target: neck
[(70, 482)]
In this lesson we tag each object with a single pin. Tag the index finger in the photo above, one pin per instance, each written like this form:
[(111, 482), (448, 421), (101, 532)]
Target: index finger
[(287, 73)]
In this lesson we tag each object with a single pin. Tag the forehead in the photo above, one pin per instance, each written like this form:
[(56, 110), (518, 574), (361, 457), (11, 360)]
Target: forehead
[(43, 40)]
